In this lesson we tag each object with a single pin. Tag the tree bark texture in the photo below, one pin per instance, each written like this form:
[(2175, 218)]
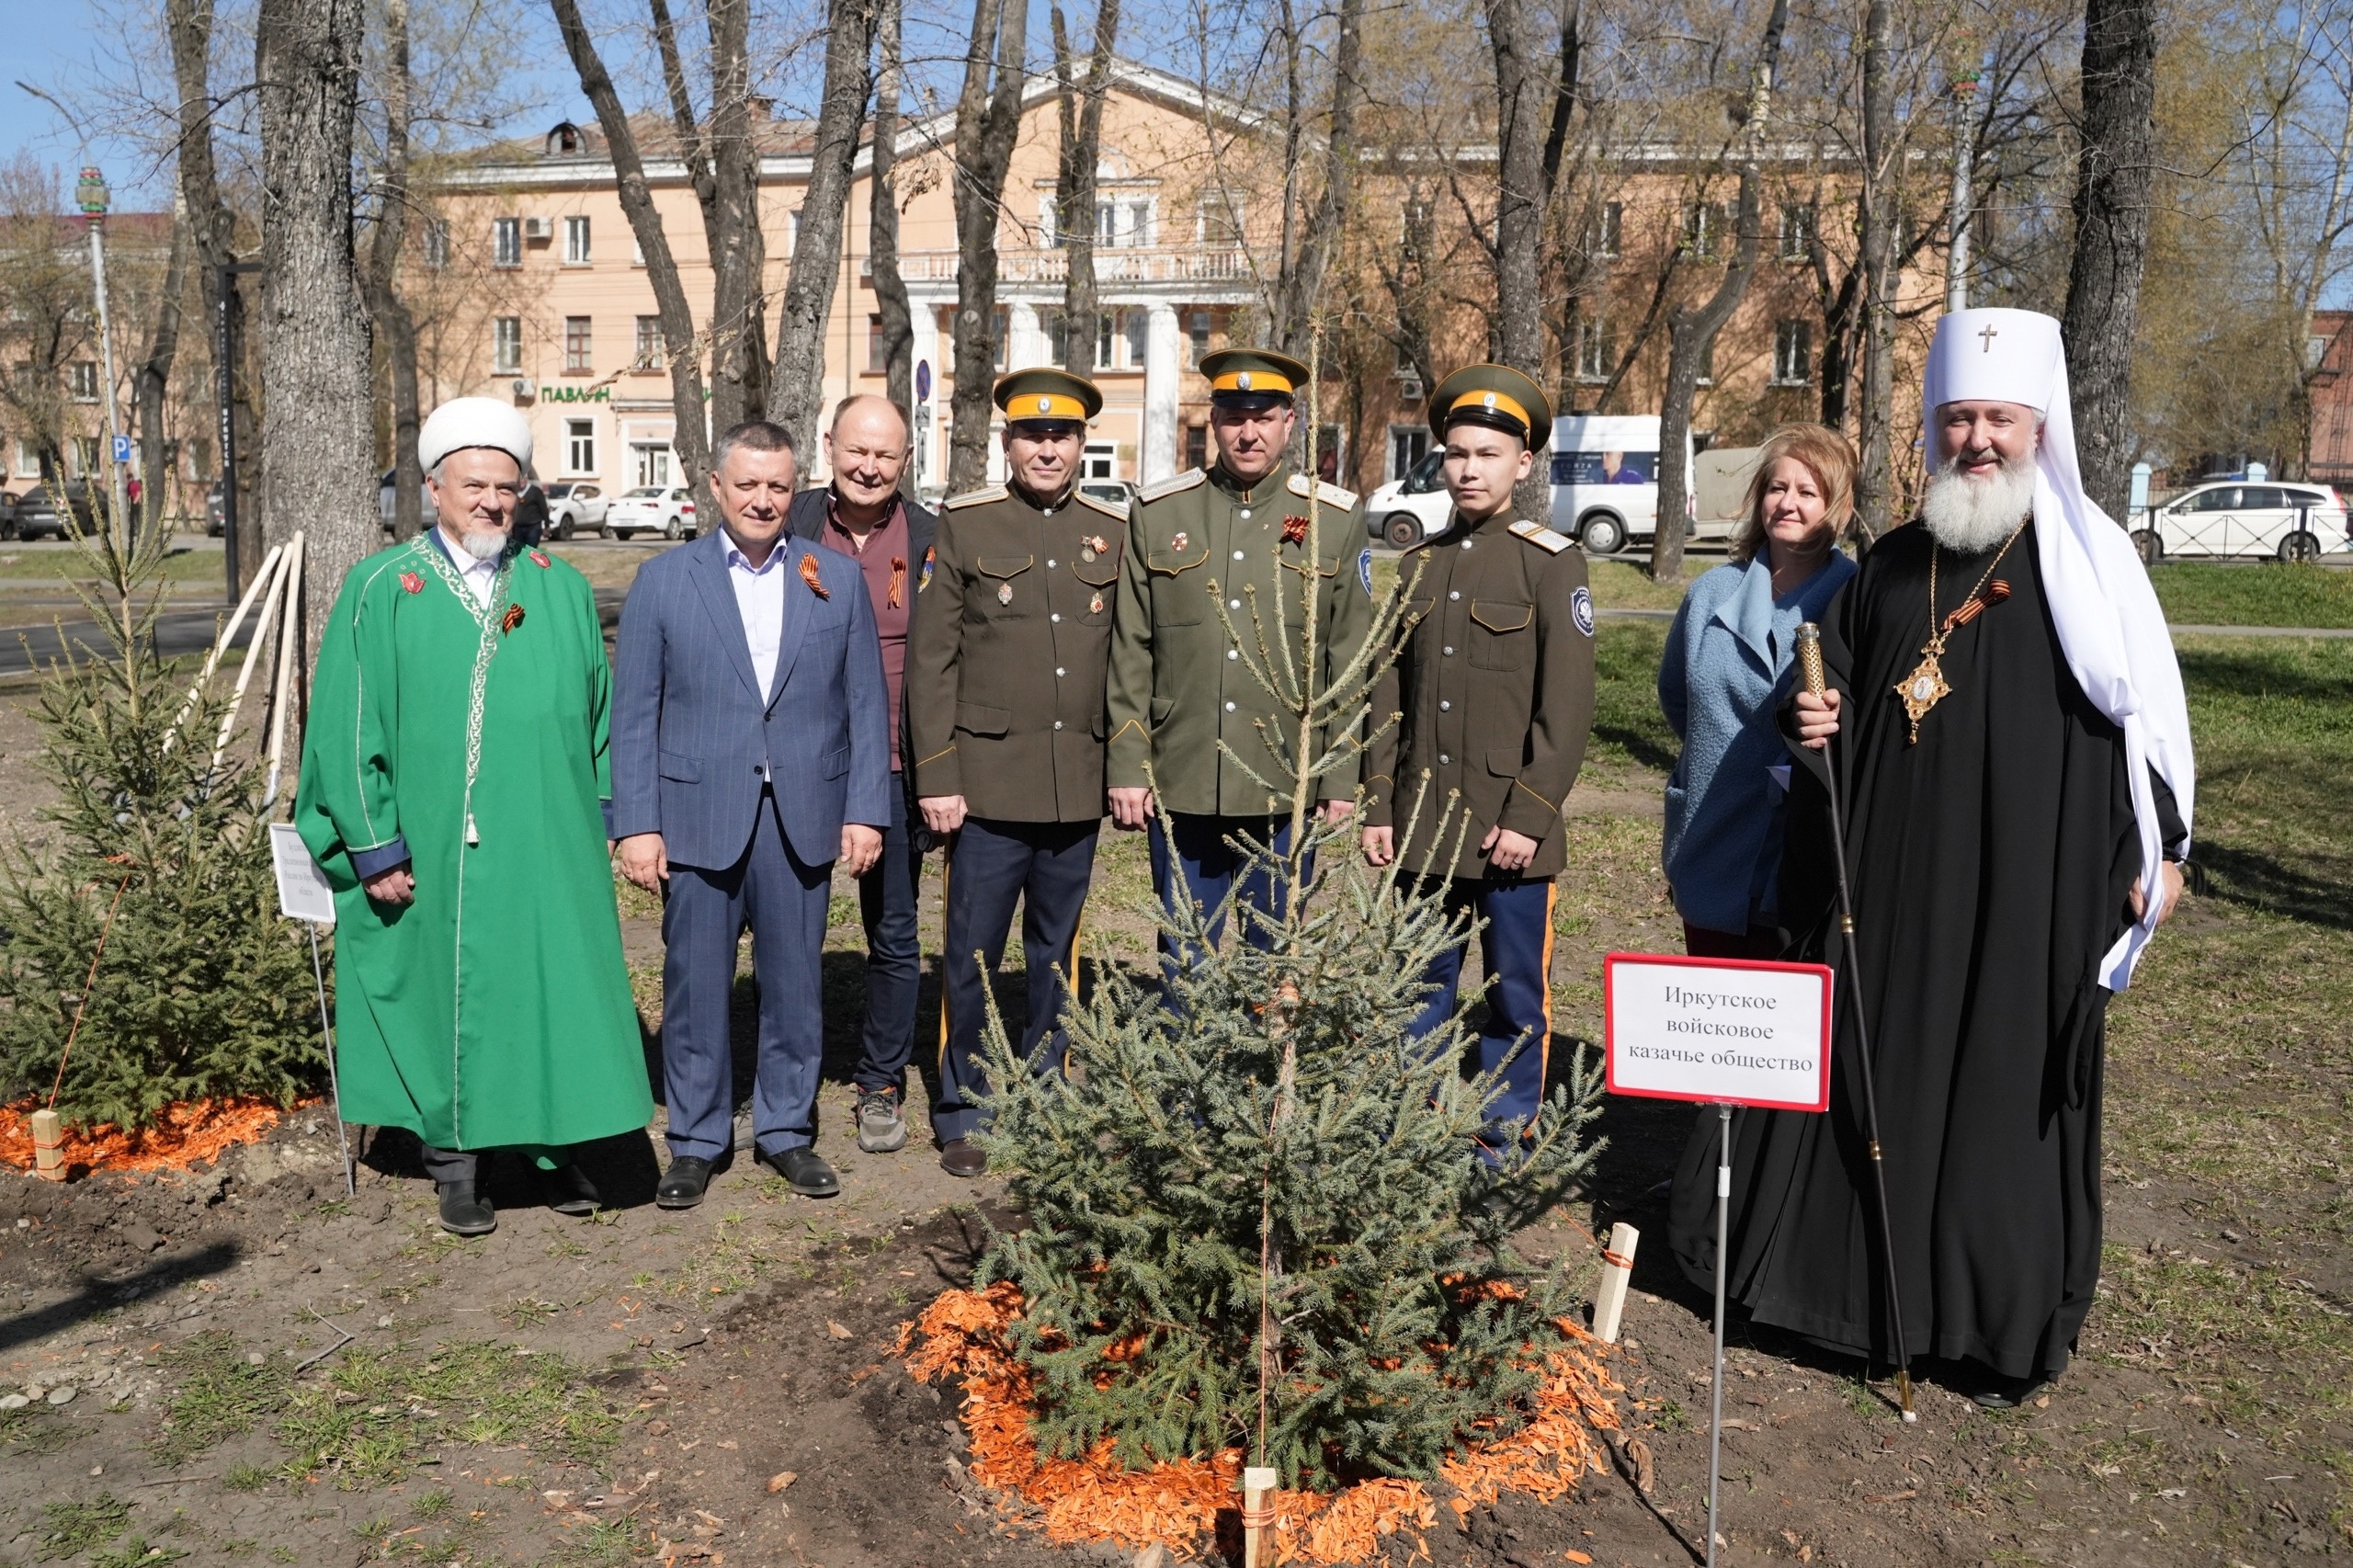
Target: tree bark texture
[(1875, 481), (212, 236), (882, 223), (1300, 288), (988, 114), (1080, 107), (796, 394), (1691, 333), (2116, 162), (690, 436), (1528, 103), (318, 466), (394, 324), (155, 380)]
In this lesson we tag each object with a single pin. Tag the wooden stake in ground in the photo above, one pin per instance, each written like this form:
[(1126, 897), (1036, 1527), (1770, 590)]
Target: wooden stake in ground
[(1258, 1516), (1617, 1272), (48, 1146)]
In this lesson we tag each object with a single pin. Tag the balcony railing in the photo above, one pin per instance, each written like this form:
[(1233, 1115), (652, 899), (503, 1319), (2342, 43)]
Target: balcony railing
[(1113, 265)]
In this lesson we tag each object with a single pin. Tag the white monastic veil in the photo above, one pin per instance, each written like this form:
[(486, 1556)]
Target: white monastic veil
[(2110, 629)]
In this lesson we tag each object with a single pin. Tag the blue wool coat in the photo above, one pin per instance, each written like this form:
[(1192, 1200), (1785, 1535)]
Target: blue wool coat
[(1725, 672)]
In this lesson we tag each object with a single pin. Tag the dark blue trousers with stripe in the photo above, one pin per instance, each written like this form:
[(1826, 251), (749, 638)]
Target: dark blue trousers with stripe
[(1516, 948), (1196, 863)]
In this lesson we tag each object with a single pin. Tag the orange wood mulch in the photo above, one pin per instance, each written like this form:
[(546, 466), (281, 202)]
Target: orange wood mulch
[(183, 1134), (1177, 1502)]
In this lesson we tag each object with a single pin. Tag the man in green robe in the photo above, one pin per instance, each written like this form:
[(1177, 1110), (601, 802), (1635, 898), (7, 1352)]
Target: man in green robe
[(455, 782)]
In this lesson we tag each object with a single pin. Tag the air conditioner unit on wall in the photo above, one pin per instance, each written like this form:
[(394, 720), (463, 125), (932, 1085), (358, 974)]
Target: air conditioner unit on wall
[(1410, 388), (538, 227)]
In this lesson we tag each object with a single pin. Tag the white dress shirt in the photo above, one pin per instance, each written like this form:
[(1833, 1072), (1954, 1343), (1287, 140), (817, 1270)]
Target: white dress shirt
[(759, 599), (479, 576)]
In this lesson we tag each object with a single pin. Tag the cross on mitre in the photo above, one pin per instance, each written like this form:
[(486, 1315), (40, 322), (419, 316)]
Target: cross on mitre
[(1987, 335)]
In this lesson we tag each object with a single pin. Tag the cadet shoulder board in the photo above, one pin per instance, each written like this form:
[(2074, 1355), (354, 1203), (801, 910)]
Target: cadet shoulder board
[(1330, 494), (1542, 537), (1170, 486), (974, 497)]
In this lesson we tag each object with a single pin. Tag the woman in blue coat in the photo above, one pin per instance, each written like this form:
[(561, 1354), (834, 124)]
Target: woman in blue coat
[(1727, 669)]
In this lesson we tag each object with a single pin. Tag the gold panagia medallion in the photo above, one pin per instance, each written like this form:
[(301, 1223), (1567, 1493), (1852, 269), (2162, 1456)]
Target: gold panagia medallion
[(1005, 593), (1922, 689)]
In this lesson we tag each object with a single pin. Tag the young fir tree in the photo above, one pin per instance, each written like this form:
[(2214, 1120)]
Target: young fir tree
[(1254, 1216), (201, 989)]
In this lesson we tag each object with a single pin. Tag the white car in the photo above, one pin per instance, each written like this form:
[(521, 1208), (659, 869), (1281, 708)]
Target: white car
[(2294, 521), (668, 509), (575, 509), (1405, 511)]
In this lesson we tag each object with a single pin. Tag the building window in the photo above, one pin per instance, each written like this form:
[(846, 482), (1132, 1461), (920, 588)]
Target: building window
[(1408, 444), (649, 344), (1123, 223), (1139, 332), (1707, 377), (85, 456), (575, 242), (1197, 446), (576, 345), (28, 457), (2316, 351), (877, 350), (1101, 460), (1793, 354), (651, 460), (579, 446), (1705, 228), (1221, 221), (1591, 355), (1797, 233), (1197, 337), (436, 244), (506, 242), (1001, 328), (1604, 229), (506, 345), (85, 376)]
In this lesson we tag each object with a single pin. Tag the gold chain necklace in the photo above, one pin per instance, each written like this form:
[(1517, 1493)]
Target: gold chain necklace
[(1926, 685)]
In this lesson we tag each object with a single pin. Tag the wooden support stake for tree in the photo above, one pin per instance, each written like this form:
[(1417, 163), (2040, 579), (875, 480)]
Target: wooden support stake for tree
[(1258, 1516), (1617, 1271), (48, 1146)]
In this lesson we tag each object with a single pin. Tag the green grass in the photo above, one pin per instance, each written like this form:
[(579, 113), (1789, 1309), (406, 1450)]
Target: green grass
[(1627, 724), (2262, 594), (33, 564), (221, 1394), (71, 1528), (136, 1553)]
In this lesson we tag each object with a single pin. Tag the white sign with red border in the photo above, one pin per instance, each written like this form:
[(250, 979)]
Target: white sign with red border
[(1722, 1031)]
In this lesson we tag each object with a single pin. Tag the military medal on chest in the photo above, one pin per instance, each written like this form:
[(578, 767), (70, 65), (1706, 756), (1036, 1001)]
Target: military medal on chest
[(1005, 593), (1093, 546), (1926, 685)]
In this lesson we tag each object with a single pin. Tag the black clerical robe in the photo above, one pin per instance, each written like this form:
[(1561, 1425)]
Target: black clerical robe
[(1991, 862)]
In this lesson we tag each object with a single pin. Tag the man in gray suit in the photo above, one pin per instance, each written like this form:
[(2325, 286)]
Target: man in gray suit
[(751, 749)]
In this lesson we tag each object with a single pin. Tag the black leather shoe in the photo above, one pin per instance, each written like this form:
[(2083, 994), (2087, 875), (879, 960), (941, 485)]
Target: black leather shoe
[(465, 1209), (805, 1170), (570, 1192), (681, 1186), (963, 1157)]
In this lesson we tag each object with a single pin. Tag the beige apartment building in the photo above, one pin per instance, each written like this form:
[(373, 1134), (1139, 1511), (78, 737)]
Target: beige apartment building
[(529, 288)]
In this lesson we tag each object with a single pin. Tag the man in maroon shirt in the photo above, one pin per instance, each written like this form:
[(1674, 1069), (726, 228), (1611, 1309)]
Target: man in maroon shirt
[(861, 514)]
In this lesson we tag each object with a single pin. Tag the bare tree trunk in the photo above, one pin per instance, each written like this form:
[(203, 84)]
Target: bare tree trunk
[(987, 117), (1691, 333), (318, 459), (212, 233), (798, 392), (1302, 282), (883, 221), (724, 167), (1529, 106), (2115, 166), (1875, 482), (690, 438), (155, 378), (1837, 300), (1081, 109), (394, 324)]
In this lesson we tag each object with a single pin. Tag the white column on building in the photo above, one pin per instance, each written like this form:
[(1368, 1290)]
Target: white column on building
[(1160, 387), (1025, 346)]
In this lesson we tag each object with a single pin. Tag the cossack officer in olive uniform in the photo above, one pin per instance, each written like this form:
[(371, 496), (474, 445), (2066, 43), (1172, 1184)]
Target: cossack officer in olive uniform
[(1494, 691), (1223, 539), (1004, 697)]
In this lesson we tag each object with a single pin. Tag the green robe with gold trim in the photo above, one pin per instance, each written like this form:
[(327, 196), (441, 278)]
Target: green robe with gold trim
[(495, 1010)]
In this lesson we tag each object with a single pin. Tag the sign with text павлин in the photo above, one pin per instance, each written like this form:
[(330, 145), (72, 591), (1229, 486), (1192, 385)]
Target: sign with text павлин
[(1722, 1031)]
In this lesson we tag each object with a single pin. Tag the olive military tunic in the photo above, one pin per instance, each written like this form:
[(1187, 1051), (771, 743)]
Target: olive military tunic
[(1005, 665), (1495, 690), (1178, 683)]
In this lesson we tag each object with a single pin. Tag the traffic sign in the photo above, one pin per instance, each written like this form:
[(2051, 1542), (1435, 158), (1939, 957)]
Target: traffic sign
[(922, 380), (122, 448)]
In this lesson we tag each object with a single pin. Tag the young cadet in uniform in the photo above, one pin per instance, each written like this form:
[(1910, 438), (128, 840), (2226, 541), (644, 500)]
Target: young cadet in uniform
[(1204, 540), (1004, 695), (1494, 693)]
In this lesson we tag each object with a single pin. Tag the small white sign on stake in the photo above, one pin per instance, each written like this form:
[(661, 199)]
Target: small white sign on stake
[(302, 890), (1719, 1031)]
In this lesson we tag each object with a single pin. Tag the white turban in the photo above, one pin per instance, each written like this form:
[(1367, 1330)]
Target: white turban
[(2111, 631), (465, 422)]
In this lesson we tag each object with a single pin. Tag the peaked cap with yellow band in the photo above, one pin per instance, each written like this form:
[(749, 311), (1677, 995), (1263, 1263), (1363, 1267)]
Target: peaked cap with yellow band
[(1047, 394), (1251, 377), (1497, 397)]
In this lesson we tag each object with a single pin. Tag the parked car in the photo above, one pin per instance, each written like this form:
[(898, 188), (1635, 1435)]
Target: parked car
[(1110, 491), (216, 522), (1409, 509), (669, 508), (2290, 522), (1605, 479), (384, 500), (8, 514), (39, 513), (575, 509)]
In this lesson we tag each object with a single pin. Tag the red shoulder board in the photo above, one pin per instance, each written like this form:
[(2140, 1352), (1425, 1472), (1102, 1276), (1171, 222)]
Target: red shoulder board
[(539, 559), (412, 583)]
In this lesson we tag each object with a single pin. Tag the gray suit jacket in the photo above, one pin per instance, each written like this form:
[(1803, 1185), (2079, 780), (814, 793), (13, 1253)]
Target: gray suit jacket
[(695, 740)]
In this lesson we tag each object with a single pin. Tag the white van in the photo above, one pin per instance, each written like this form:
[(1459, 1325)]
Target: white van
[(1604, 479)]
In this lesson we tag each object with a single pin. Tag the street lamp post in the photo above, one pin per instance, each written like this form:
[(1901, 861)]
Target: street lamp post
[(1964, 93), (92, 195)]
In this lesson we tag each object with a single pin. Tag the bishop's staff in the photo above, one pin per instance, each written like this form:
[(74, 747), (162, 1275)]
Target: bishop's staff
[(1810, 664)]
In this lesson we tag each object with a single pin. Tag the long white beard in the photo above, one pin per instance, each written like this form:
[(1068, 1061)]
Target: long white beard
[(484, 546), (1968, 515)]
